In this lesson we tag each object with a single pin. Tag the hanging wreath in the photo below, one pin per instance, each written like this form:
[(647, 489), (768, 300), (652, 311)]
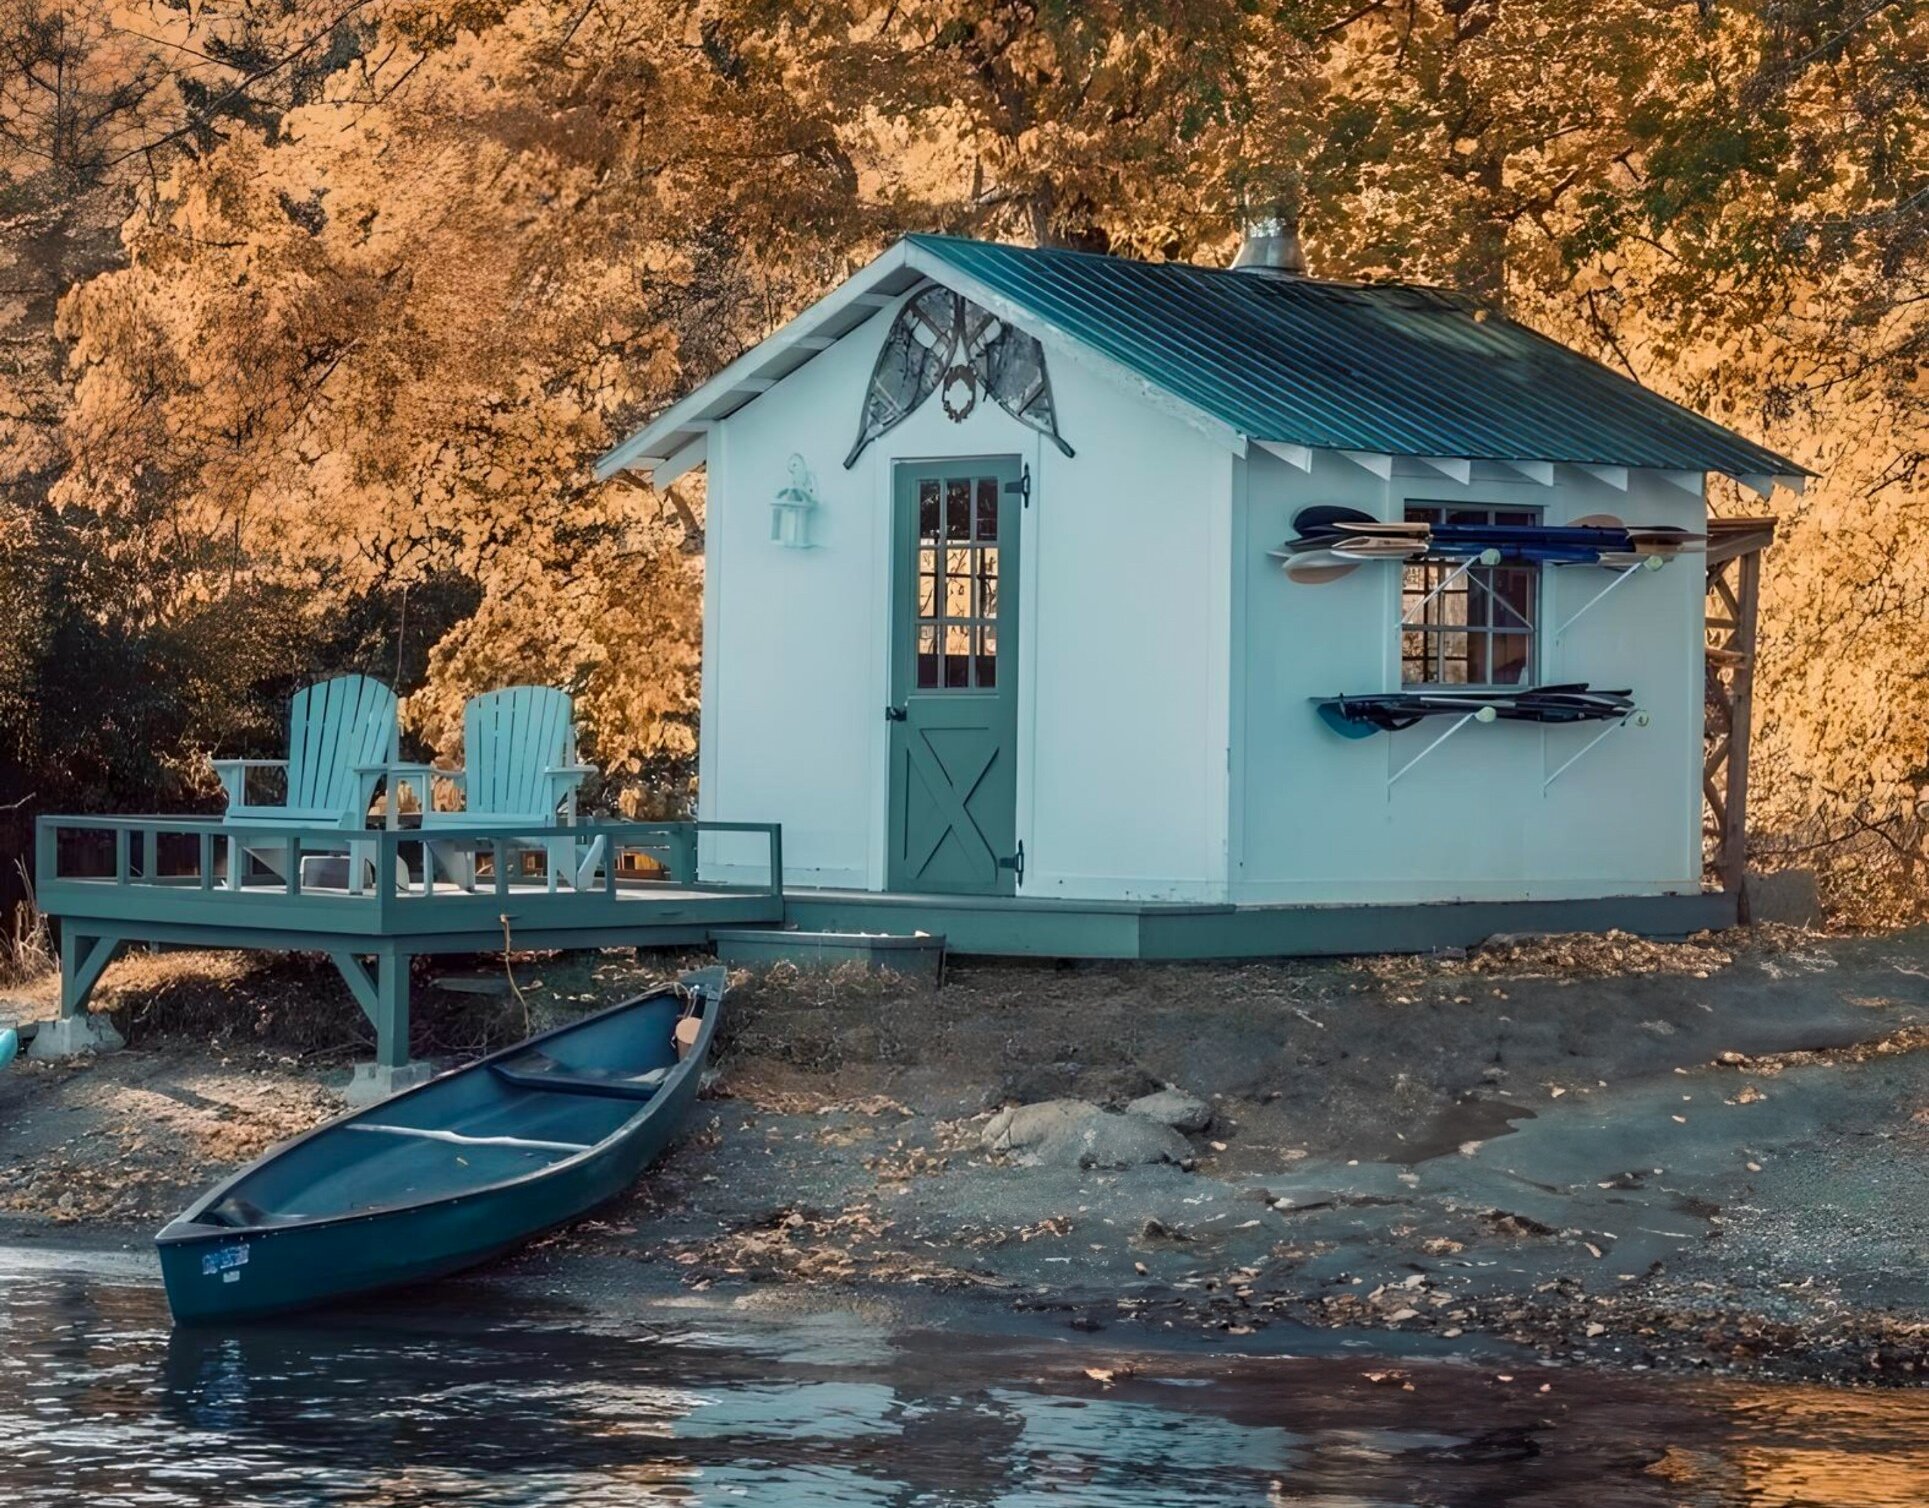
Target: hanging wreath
[(958, 392)]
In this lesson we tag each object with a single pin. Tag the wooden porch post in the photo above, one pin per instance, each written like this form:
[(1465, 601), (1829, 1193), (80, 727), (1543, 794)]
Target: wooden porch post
[(1734, 546), (391, 1008), (1741, 695)]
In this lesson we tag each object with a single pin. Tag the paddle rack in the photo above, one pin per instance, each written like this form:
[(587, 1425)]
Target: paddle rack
[(1478, 715), (1622, 574), (1638, 717)]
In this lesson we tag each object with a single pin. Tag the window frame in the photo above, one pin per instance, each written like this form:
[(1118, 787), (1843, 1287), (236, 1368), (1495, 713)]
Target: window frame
[(982, 612), (1434, 634)]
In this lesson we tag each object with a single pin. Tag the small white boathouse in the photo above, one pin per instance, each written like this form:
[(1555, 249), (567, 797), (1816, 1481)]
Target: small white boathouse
[(998, 623)]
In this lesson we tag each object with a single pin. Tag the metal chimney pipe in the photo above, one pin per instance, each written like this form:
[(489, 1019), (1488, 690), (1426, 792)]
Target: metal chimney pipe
[(1271, 246)]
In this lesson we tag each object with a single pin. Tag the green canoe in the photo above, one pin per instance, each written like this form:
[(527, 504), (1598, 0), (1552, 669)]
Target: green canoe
[(448, 1174)]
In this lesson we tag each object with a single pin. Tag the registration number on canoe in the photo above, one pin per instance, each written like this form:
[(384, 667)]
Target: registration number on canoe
[(224, 1260)]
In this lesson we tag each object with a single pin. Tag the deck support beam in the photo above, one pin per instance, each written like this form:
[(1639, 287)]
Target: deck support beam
[(101, 881), (356, 976), (392, 1008), (384, 999), (84, 957)]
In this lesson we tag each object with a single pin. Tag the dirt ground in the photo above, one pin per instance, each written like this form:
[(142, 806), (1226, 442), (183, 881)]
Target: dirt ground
[(1709, 1154)]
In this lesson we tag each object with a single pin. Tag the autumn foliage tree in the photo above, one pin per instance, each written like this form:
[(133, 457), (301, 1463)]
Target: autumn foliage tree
[(383, 342), (383, 279)]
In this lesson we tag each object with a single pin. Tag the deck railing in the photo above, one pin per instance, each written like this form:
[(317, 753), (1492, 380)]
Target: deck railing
[(214, 858)]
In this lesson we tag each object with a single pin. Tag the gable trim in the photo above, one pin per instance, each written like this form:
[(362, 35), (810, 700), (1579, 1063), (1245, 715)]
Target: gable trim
[(871, 290)]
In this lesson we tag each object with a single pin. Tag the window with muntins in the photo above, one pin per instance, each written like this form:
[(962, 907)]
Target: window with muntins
[(1479, 629), (958, 584)]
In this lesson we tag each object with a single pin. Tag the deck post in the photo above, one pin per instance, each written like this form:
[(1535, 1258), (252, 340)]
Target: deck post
[(392, 1071), (84, 957), (135, 899), (391, 1008), (388, 854), (681, 862)]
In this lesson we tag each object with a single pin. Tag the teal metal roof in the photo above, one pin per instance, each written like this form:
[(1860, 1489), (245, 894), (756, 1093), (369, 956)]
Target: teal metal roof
[(1385, 368)]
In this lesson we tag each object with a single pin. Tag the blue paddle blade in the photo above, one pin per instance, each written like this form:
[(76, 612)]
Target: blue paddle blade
[(1334, 716), (9, 1045)]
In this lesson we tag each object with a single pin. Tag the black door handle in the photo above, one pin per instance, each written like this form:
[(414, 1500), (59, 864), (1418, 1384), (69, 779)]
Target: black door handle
[(894, 714)]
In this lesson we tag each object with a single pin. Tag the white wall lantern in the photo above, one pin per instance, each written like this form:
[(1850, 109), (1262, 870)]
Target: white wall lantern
[(791, 509)]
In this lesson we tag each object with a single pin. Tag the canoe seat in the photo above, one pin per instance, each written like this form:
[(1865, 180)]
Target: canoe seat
[(537, 1070), (236, 1213)]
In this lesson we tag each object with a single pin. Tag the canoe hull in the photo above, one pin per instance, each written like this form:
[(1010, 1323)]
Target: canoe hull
[(215, 1274), (296, 1267)]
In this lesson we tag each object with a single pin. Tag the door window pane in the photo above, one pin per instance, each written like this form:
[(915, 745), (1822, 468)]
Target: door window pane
[(957, 584), (988, 508), (957, 510), (957, 656), (927, 657)]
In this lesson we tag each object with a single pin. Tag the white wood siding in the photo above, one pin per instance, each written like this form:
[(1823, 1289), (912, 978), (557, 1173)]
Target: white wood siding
[(1317, 822), (1124, 637)]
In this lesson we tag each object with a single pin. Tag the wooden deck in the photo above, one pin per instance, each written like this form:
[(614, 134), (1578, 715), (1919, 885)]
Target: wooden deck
[(111, 881)]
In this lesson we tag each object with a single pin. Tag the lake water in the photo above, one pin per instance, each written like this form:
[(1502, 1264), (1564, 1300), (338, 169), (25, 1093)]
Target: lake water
[(473, 1394)]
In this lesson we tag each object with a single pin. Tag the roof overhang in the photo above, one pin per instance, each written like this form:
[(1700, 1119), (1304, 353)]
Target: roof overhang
[(678, 438), (1460, 469)]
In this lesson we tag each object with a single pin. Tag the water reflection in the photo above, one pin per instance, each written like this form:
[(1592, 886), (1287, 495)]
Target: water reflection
[(468, 1397), (1814, 1445)]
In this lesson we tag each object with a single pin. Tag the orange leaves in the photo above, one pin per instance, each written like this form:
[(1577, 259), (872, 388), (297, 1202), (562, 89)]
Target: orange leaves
[(387, 340)]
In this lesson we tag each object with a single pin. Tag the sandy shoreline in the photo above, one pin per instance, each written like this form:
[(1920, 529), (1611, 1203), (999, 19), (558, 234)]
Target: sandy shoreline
[(1703, 1155)]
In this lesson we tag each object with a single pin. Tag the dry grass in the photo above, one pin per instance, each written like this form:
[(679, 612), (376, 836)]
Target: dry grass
[(27, 952)]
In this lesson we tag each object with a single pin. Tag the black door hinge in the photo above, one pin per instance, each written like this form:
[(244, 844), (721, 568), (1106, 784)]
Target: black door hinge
[(1016, 862), (894, 714), (1022, 486)]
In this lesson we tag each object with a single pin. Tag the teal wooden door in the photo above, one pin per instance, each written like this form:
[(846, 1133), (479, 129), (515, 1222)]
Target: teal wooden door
[(954, 674)]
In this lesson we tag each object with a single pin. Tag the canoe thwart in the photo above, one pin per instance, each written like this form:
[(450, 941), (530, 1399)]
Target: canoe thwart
[(460, 1139)]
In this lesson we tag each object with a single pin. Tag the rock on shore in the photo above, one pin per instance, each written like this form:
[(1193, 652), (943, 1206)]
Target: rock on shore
[(1172, 1106), (1079, 1134)]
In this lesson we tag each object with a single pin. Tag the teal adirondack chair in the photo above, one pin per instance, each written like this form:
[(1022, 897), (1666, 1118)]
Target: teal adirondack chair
[(342, 735), (519, 770)]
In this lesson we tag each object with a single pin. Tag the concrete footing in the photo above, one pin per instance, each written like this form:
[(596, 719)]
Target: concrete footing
[(69, 1036), (374, 1082)]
